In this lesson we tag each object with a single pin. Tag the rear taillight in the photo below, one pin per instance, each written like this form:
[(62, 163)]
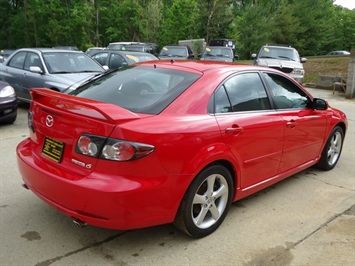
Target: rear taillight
[(30, 121), (111, 149)]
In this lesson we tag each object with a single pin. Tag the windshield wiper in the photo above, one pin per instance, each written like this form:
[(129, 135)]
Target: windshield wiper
[(287, 58), (62, 72), (267, 57), (87, 71)]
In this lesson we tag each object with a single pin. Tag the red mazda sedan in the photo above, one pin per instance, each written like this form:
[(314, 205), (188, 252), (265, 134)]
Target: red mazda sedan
[(173, 142)]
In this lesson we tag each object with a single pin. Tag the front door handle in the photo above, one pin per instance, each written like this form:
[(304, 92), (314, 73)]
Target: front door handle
[(291, 124), (234, 130)]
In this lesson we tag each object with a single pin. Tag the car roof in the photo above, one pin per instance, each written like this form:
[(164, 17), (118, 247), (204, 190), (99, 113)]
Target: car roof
[(278, 46), (176, 45), (47, 50), (125, 52), (201, 66), (219, 47)]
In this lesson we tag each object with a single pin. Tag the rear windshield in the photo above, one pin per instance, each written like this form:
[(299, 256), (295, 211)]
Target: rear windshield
[(139, 89)]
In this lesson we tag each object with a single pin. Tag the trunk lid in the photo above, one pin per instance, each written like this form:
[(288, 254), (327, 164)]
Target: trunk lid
[(59, 120)]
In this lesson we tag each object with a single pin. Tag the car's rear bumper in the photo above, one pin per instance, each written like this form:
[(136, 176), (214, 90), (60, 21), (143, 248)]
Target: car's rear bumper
[(105, 201)]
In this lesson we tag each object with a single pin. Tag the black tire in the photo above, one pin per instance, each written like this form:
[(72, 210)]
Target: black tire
[(11, 120), (208, 198), (332, 149)]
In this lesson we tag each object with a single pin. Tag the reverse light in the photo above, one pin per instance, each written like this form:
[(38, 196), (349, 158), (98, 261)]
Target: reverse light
[(111, 149), (120, 151), (87, 147)]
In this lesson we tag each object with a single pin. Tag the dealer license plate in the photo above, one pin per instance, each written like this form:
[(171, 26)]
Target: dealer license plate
[(53, 149)]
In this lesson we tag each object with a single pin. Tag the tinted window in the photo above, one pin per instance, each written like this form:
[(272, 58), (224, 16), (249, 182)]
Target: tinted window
[(139, 89), (285, 93), (245, 92), (117, 61), (18, 60)]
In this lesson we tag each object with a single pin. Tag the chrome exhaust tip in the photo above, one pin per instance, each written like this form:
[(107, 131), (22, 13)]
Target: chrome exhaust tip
[(79, 223), (25, 186)]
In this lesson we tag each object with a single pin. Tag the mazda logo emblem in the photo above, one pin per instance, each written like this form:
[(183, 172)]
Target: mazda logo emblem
[(49, 121)]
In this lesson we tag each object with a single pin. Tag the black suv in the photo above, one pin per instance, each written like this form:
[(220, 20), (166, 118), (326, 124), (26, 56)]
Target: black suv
[(283, 58), (177, 52)]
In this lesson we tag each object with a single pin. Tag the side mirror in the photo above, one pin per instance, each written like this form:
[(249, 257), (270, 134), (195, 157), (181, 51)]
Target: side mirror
[(36, 69), (303, 60), (105, 67), (319, 104), (253, 56)]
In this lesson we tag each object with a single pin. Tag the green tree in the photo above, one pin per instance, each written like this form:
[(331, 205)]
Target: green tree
[(179, 22), (215, 19)]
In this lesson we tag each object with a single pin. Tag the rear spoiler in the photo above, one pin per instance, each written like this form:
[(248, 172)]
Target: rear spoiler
[(78, 105)]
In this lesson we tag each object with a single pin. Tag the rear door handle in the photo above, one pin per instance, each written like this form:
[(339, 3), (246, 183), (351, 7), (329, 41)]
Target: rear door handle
[(234, 130)]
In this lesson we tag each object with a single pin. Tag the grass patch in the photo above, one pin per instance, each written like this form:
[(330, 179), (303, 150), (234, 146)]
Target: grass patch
[(315, 66)]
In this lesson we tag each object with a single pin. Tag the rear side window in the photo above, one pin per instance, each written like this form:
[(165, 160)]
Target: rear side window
[(243, 92), (139, 89), (18, 60)]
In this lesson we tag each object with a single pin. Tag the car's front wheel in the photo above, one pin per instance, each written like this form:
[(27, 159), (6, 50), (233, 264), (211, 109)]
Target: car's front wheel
[(206, 202), (332, 149)]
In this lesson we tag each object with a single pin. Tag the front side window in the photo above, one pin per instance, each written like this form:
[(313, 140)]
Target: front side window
[(244, 92), (286, 94), (33, 59)]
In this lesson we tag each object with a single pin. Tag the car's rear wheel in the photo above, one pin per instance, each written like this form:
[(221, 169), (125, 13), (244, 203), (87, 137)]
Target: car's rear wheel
[(206, 202), (332, 149)]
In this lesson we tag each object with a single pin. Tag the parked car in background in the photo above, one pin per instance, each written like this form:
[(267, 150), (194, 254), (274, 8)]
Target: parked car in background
[(283, 58), (339, 53), (177, 52), (119, 45), (60, 70), (68, 47), (8, 103), (4, 54), (226, 43), (93, 50), (151, 48), (218, 53), (173, 142), (113, 59)]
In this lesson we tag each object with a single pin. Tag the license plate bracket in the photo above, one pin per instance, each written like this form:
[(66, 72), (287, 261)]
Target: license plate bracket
[(52, 149)]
